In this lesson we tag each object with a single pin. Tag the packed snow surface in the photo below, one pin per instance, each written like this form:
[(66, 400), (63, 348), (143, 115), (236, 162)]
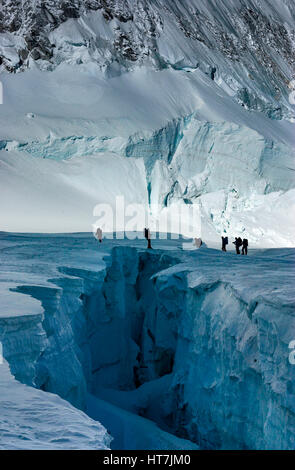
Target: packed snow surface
[(181, 347), (33, 419)]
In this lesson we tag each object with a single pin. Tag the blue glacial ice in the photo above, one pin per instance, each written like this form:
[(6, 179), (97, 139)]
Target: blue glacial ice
[(180, 349)]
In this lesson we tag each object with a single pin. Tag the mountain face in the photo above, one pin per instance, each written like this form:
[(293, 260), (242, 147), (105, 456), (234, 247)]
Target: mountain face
[(190, 99), (258, 36)]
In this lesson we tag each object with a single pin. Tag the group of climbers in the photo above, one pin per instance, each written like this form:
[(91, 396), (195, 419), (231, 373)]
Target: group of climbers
[(197, 241), (241, 243), (238, 244)]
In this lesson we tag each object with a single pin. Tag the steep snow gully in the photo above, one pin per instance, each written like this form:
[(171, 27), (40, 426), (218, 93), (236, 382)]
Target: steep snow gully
[(152, 337)]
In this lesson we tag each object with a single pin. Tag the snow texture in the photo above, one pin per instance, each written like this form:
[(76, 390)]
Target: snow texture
[(32, 419)]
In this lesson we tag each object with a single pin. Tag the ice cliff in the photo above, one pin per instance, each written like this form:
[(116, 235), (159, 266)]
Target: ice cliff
[(193, 341)]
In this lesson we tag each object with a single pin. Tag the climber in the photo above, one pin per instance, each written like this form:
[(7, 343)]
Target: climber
[(224, 243), (245, 247), (99, 234), (147, 236), (198, 242), (238, 243)]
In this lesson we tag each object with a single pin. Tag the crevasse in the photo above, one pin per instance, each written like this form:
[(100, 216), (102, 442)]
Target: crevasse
[(144, 326)]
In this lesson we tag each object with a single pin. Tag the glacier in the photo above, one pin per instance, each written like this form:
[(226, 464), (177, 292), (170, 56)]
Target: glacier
[(163, 103), (168, 347)]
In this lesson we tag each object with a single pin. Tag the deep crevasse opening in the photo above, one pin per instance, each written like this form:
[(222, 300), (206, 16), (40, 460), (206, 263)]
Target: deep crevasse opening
[(87, 341), (136, 340)]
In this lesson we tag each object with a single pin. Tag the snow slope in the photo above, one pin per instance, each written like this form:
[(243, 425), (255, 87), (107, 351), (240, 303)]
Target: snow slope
[(161, 102)]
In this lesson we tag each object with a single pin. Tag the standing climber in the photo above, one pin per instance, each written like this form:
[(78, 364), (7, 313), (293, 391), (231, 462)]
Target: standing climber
[(238, 243), (245, 247), (198, 242), (99, 234), (224, 243), (147, 236)]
